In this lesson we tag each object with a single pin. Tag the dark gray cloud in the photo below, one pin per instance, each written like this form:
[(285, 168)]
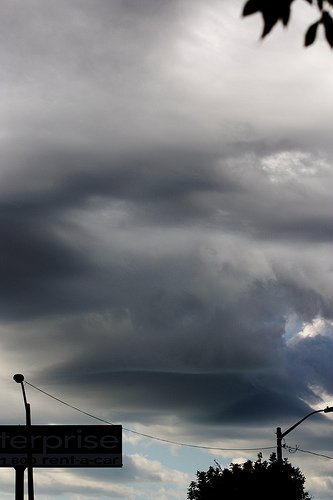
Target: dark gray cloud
[(168, 268), (216, 399), (166, 217), (172, 285)]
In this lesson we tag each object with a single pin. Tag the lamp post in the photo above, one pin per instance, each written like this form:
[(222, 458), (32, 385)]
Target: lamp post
[(280, 435), (19, 378)]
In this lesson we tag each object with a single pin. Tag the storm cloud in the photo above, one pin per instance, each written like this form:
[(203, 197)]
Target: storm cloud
[(166, 218)]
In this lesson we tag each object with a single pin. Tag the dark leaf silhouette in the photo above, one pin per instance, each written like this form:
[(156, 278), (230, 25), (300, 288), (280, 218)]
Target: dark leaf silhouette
[(270, 20), (272, 12), (251, 7), (311, 34), (275, 11), (328, 26)]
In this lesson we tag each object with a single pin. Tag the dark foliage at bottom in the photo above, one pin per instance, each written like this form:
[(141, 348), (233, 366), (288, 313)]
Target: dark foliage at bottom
[(262, 480)]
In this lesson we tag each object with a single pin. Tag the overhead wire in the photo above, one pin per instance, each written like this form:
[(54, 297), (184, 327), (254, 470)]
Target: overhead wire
[(155, 438), (293, 449), (168, 441), (67, 404), (316, 454)]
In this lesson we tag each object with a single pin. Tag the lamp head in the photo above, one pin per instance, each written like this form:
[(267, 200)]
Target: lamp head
[(18, 377), (328, 409)]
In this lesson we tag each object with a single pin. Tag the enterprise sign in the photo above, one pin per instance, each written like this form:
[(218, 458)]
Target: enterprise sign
[(61, 445)]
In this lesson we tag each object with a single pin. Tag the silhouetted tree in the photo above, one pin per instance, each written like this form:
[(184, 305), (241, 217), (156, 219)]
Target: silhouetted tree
[(262, 480), (274, 11)]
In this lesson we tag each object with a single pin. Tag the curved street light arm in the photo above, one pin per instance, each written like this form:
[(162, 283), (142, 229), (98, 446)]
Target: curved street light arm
[(299, 422), (280, 435)]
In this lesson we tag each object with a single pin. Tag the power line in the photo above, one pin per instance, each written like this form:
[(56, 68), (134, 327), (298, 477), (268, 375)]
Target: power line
[(168, 441), (294, 450), (317, 454), (67, 404)]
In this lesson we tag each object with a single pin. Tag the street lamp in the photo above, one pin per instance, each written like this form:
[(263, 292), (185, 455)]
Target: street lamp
[(19, 378), (280, 435)]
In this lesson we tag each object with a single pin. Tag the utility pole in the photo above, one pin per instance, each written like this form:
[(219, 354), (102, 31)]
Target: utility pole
[(19, 378), (280, 435), (19, 482), (279, 444)]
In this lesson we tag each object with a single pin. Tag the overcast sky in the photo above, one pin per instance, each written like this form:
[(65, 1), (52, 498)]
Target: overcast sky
[(166, 235)]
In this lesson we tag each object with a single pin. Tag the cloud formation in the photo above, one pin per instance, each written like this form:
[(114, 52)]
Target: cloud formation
[(166, 215)]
